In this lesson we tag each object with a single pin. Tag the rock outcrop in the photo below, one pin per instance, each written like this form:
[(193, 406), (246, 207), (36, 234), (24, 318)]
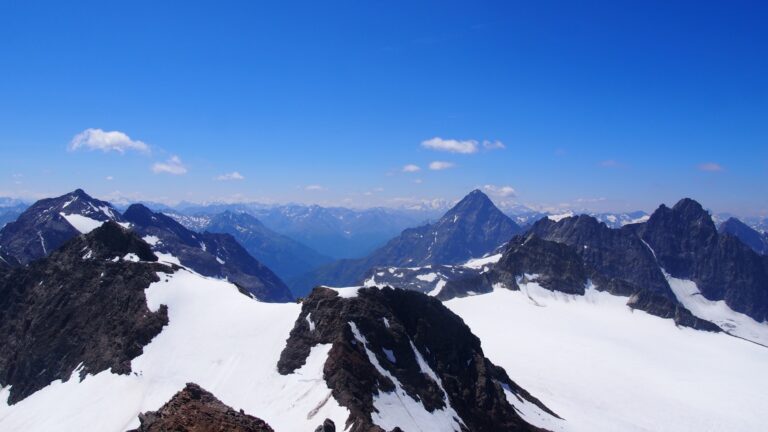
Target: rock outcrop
[(391, 341), (80, 310), (193, 409)]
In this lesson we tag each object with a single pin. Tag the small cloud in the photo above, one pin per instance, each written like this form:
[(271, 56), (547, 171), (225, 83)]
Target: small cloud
[(172, 166), (451, 145), (560, 152), (440, 165), (97, 139), (411, 168), (711, 167), (418, 181), (493, 145), (500, 191), (234, 175), (109, 178), (314, 187), (610, 163)]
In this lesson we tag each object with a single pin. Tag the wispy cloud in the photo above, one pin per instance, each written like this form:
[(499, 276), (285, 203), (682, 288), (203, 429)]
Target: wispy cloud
[(493, 145), (440, 165), (314, 187), (109, 178), (411, 168), (98, 139), (500, 191), (711, 167), (172, 166), (451, 145), (234, 175), (611, 163)]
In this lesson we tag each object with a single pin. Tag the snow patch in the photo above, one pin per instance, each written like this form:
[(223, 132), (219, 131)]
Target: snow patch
[(151, 240), (82, 223), (398, 408), (718, 311)]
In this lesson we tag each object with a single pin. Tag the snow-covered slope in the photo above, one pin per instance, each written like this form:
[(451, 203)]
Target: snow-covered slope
[(217, 338), (603, 367)]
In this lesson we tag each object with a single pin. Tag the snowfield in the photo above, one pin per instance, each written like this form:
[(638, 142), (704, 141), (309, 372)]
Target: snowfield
[(603, 367), (591, 359), (217, 338)]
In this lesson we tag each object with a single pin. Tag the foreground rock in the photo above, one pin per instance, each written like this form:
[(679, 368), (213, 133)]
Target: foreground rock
[(82, 309), (196, 410), (394, 348)]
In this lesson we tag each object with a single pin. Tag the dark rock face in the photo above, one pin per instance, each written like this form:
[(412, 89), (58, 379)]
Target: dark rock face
[(41, 228), (422, 279), (472, 228), (196, 410), (688, 246), (215, 255), (557, 265), (613, 254), (755, 240), (327, 426), (397, 327), (283, 255), (663, 307), (82, 305)]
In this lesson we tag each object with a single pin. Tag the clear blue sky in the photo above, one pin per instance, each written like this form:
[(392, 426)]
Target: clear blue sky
[(602, 104)]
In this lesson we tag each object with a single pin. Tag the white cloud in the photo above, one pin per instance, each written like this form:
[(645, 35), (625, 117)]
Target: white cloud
[(711, 167), (234, 175), (410, 168), (314, 187), (493, 145), (97, 139), (172, 166), (451, 145), (109, 178), (440, 165), (500, 191), (418, 181)]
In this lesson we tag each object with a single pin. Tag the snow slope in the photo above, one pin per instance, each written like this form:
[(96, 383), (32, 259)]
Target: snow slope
[(217, 338), (602, 367), (718, 312)]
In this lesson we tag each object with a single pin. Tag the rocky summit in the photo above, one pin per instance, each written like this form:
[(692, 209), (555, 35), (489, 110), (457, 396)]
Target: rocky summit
[(193, 409), (79, 311), (392, 343)]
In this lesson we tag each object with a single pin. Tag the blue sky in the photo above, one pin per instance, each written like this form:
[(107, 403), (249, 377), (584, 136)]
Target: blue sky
[(603, 105)]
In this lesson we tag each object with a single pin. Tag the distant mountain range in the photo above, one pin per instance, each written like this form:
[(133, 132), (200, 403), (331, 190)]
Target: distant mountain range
[(49, 223), (135, 322), (675, 265), (471, 228)]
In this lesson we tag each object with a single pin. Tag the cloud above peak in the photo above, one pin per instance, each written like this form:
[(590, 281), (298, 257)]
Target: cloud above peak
[(500, 191), (172, 166), (106, 141), (234, 175)]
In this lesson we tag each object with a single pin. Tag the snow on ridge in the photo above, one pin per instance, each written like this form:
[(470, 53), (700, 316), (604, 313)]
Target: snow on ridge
[(216, 337), (717, 311), (559, 217), (478, 263), (398, 408), (82, 223)]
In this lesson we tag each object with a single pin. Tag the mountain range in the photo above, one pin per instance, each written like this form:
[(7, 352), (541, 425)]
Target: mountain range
[(133, 321), (473, 227), (49, 223)]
